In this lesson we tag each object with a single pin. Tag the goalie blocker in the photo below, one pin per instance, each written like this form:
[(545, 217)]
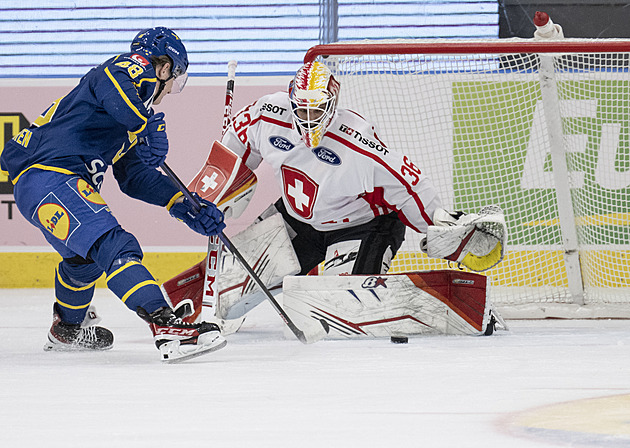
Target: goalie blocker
[(358, 306)]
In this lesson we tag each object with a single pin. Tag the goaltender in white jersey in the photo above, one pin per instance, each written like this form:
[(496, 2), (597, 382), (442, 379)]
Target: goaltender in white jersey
[(347, 198)]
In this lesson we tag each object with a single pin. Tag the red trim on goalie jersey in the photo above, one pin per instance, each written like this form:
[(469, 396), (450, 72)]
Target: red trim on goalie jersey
[(380, 206), (266, 119), (393, 172)]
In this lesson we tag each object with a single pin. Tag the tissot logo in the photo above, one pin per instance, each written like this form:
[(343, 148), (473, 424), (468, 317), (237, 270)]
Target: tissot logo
[(281, 143), (327, 156)]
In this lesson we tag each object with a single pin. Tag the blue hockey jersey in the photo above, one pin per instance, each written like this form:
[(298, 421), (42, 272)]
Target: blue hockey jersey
[(94, 126)]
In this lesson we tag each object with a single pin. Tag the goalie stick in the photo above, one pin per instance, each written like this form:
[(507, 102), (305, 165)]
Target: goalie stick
[(210, 290), (310, 332)]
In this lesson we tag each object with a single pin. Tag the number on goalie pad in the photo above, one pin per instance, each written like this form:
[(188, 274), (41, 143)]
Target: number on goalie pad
[(267, 248), (225, 180), (357, 306), (475, 240)]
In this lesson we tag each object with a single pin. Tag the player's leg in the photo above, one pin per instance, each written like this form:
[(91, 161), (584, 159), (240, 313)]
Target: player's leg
[(74, 319), (119, 254), (364, 249), (56, 203), (76, 221)]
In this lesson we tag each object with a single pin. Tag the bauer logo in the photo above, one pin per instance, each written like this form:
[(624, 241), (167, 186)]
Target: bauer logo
[(281, 143), (327, 156), (55, 218)]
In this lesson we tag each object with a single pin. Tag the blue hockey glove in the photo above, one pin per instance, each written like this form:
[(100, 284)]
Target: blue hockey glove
[(207, 221), (153, 142)]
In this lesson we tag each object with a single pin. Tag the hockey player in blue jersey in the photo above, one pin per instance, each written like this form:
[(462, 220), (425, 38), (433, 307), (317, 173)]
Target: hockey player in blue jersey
[(57, 167)]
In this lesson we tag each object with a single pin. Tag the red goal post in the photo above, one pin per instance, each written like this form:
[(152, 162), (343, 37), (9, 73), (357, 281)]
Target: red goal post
[(541, 128)]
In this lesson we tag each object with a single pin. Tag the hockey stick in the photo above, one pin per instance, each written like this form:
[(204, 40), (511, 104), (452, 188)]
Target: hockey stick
[(314, 332)]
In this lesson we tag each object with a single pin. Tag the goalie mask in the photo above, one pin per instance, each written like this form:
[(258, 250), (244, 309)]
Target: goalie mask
[(313, 95)]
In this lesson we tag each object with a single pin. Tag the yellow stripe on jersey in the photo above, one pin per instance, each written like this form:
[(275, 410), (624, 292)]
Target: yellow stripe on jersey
[(177, 195), (48, 113), (39, 166), (139, 84), (126, 99)]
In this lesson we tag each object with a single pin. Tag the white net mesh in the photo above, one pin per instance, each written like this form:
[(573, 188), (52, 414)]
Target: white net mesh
[(485, 127)]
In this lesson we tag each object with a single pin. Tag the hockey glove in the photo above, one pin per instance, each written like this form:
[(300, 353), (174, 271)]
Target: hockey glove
[(207, 221), (153, 142)]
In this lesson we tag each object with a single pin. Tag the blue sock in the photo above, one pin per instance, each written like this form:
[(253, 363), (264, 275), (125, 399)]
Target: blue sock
[(74, 289), (135, 285)]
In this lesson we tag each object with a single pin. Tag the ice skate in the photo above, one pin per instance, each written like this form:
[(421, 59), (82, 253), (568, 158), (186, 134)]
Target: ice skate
[(75, 337), (178, 340)]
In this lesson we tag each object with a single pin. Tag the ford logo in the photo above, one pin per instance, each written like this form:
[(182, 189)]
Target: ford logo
[(327, 156), (281, 143)]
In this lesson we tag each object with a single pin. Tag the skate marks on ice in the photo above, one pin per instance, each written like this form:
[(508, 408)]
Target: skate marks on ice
[(602, 422)]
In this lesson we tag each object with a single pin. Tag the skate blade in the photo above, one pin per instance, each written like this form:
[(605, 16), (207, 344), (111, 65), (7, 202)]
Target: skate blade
[(178, 359), (51, 346)]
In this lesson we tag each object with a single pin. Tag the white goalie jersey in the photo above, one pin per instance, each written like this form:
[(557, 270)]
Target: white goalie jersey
[(349, 179)]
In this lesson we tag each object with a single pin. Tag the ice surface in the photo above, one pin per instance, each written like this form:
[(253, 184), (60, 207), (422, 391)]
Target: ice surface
[(263, 390)]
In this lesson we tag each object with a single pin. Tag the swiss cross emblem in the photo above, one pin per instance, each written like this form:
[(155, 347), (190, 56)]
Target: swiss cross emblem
[(300, 191), (206, 182)]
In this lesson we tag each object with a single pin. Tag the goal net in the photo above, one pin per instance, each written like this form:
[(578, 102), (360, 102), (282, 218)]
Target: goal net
[(540, 128)]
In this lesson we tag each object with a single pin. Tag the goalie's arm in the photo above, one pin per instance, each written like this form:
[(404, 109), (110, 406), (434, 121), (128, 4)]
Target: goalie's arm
[(400, 186), (477, 241), (240, 135)]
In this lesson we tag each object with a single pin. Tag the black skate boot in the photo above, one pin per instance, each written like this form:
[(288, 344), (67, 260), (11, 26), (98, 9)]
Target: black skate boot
[(75, 337), (178, 340)]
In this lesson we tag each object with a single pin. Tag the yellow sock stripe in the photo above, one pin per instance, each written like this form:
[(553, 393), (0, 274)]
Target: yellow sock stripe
[(73, 288), (137, 287), (120, 269), (72, 307)]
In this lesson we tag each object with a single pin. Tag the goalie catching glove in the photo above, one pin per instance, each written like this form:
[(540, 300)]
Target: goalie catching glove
[(476, 241)]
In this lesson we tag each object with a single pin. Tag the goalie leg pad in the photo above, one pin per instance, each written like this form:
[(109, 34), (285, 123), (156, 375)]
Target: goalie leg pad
[(358, 306), (184, 292), (267, 248)]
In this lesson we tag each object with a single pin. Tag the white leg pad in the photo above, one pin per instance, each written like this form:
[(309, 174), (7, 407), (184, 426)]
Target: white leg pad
[(358, 306), (267, 248)]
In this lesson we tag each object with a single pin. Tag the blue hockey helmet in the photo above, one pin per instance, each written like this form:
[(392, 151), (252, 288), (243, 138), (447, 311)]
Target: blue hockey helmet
[(161, 41)]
